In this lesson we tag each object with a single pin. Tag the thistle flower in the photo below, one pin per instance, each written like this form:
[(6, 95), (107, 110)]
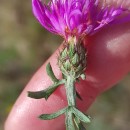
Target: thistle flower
[(77, 17), (73, 19)]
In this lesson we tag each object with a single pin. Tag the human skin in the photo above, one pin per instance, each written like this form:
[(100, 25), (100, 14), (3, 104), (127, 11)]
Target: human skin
[(108, 61)]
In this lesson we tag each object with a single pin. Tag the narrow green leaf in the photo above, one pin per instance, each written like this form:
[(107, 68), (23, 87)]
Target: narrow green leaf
[(50, 73), (52, 116), (45, 93), (38, 94), (81, 116)]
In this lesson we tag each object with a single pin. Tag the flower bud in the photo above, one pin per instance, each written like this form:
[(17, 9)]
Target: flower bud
[(72, 59)]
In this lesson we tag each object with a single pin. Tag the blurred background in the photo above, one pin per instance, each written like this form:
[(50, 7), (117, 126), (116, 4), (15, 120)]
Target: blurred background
[(24, 47)]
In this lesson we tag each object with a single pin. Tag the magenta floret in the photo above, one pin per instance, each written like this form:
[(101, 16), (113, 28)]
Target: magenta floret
[(77, 17)]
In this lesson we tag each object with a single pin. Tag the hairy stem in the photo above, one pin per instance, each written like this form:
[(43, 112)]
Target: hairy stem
[(70, 91)]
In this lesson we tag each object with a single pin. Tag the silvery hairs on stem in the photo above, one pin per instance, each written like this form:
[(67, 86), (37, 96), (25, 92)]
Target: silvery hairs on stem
[(73, 20)]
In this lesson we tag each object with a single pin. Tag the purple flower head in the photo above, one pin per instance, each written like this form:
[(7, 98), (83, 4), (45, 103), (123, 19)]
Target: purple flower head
[(77, 17)]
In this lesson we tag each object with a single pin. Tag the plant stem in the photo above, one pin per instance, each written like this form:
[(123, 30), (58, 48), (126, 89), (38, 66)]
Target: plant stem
[(70, 91)]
